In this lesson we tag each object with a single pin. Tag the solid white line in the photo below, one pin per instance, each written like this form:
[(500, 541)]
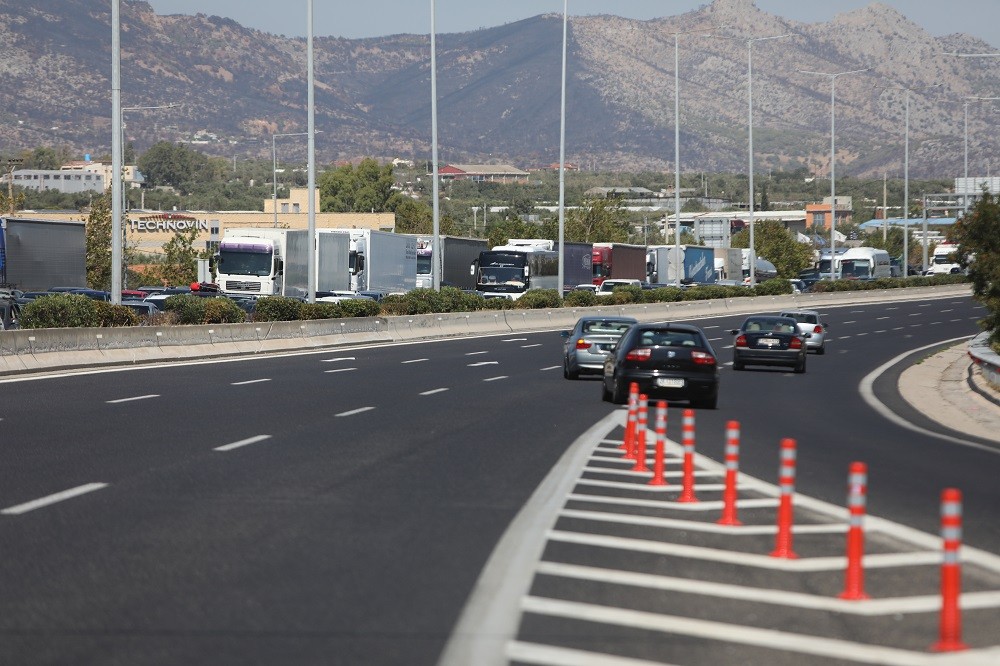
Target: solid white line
[(731, 633), (551, 367), (415, 360), (493, 379), (138, 397), (480, 363), (806, 564), (867, 607), (696, 526), (242, 442), (868, 394), (551, 655), (249, 381), (673, 506), (339, 370), (530, 346), (337, 360), (355, 411), (52, 499), (433, 391)]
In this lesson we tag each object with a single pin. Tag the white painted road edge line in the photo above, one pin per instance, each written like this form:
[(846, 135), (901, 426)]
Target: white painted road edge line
[(551, 655), (250, 381), (52, 499), (138, 397), (242, 442)]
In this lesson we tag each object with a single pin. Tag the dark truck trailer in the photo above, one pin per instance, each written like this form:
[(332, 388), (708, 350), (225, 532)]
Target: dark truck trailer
[(457, 253), (578, 264), (38, 254)]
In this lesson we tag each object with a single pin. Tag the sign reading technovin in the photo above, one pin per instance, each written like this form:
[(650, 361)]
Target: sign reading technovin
[(169, 224)]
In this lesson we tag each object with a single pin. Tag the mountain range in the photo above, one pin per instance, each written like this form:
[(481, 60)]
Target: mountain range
[(231, 89)]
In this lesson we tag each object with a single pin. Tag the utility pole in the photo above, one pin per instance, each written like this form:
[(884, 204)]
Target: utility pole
[(885, 212)]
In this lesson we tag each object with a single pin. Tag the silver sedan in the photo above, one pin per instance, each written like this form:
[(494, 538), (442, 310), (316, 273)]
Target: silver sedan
[(590, 342), (809, 321)]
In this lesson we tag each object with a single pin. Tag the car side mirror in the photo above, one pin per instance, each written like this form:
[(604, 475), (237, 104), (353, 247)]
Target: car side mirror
[(564, 334), (734, 331)]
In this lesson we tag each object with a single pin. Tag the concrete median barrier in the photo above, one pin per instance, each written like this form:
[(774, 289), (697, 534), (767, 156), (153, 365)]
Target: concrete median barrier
[(51, 349)]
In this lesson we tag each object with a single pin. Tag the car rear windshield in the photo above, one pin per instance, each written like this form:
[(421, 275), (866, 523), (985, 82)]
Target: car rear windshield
[(668, 338), (801, 317), (610, 327), (769, 326)]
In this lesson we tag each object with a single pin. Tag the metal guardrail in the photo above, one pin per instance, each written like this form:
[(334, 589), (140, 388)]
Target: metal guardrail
[(988, 360)]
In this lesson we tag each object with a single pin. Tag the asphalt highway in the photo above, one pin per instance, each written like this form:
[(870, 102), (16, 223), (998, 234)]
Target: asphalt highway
[(338, 507)]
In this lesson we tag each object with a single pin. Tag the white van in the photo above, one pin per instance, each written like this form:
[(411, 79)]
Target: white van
[(864, 263)]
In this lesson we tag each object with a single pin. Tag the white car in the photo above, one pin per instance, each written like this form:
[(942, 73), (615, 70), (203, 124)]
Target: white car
[(810, 321)]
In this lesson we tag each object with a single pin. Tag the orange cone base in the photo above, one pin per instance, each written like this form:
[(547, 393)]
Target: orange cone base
[(853, 596), (949, 646), (784, 554), (728, 521)]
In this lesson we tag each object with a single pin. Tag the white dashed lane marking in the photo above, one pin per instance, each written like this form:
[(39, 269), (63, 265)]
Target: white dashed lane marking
[(415, 360), (243, 442), (433, 391), (133, 399), (52, 499), (250, 381), (352, 412)]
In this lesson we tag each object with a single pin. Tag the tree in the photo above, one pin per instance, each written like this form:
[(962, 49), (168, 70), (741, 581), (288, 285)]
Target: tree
[(598, 221), (98, 243), (776, 244), (364, 189), (978, 237), (175, 165), (179, 255), (765, 201)]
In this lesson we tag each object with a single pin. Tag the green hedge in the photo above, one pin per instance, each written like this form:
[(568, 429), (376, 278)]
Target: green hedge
[(277, 308), (61, 311)]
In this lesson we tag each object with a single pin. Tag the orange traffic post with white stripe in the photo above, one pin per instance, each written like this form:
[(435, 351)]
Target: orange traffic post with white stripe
[(687, 440), (732, 471), (642, 427), (633, 406), (857, 492), (950, 639), (786, 480), (661, 443)]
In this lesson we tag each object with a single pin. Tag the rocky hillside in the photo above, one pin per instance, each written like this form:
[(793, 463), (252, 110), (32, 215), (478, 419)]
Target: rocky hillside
[(499, 89)]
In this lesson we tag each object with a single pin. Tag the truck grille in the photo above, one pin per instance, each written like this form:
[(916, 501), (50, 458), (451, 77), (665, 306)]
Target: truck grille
[(238, 285)]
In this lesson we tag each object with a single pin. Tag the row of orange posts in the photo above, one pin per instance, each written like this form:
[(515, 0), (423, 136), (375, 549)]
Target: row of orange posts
[(634, 447)]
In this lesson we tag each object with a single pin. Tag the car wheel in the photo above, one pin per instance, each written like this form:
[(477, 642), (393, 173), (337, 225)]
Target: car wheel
[(619, 395), (738, 365), (821, 350), (569, 374), (605, 393), (800, 367)]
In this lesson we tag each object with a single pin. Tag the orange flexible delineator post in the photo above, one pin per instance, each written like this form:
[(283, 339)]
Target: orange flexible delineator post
[(732, 470), (786, 479), (642, 427), (687, 439), (661, 443), (857, 492), (633, 406), (950, 639)]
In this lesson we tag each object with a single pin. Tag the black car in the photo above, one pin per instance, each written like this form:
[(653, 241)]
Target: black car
[(667, 360), (769, 340)]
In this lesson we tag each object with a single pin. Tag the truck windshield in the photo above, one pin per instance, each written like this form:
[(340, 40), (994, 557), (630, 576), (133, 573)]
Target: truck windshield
[(501, 274), (859, 268), (243, 262), (942, 259), (423, 264)]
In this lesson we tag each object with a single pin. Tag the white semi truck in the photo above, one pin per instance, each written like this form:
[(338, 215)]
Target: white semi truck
[(263, 262), (382, 261)]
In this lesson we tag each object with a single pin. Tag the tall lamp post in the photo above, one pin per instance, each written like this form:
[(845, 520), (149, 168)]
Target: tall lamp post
[(906, 172), (969, 100), (116, 153), (562, 155), (311, 155), (753, 248), (274, 169), (833, 159), (436, 241), (677, 151)]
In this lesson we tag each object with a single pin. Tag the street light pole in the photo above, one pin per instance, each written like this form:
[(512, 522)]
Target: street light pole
[(274, 170), (116, 153), (562, 156), (436, 241), (968, 100), (753, 247), (311, 129), (833, 160)]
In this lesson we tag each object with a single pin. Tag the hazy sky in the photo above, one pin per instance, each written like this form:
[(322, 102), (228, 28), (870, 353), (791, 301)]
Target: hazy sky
[(374, 18)]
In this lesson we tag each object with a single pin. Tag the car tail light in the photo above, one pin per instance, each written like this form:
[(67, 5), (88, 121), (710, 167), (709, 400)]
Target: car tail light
[(702, 358), (818, 329), (582, 344), (741, 341), (796, 343), (641, 354)]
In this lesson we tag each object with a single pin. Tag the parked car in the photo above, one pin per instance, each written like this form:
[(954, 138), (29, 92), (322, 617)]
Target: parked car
[(769, 340), (809, 321), (145, 309), (10, 311), (669, 360), (590, 342)]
